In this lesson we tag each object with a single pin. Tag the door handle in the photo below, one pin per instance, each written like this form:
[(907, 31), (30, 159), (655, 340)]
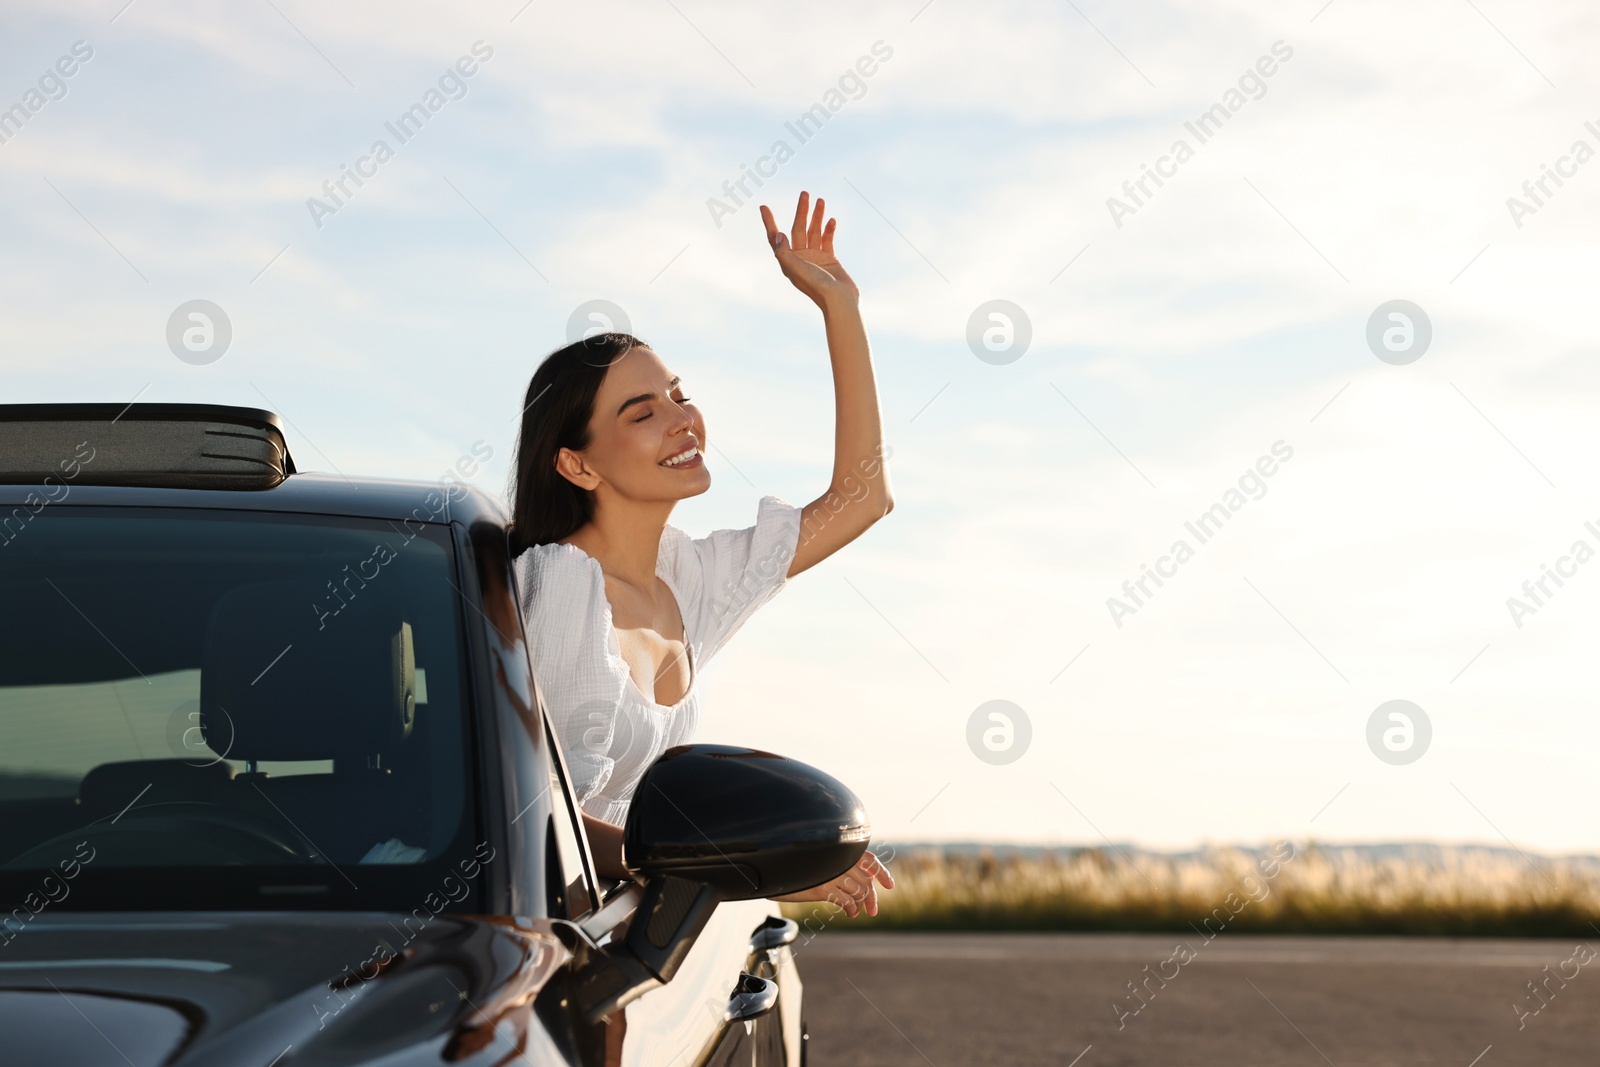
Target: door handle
[(751, 997), (774, 933)]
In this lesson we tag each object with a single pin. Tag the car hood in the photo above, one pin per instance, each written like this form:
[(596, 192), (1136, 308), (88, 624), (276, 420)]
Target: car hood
[(233, 988)]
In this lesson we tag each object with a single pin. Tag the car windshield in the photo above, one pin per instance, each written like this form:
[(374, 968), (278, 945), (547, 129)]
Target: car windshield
[(230, 709)]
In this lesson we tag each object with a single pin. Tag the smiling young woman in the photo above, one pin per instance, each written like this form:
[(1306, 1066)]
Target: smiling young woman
[(622, 609)]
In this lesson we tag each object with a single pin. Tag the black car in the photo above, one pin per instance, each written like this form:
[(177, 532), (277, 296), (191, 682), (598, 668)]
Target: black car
[(277, 787)]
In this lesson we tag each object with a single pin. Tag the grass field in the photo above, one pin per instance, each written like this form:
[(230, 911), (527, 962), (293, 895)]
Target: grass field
[(1286, 888)]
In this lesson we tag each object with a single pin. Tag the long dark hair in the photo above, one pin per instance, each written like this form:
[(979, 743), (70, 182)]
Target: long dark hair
[(545, 507)]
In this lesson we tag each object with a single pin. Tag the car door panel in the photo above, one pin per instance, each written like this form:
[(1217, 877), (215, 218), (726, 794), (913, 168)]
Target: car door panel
[(674, 1026)]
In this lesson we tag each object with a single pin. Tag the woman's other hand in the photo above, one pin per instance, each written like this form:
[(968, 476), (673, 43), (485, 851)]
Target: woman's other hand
[(806, 255), (854, 890)]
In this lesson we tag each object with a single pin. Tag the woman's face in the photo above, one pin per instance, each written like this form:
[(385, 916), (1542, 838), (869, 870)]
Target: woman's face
[(641, 420)]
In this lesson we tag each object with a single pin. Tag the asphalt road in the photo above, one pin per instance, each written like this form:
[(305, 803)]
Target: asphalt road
[(995, 999)]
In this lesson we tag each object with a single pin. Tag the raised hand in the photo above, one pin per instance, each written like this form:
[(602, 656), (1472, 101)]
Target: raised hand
[(806, 255)]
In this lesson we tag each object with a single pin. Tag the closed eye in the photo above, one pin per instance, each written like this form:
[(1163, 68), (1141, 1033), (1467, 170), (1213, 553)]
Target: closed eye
[(646, 415)]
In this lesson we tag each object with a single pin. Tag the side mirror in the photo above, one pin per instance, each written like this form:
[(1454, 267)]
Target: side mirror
[(710, 823), (748, 823)]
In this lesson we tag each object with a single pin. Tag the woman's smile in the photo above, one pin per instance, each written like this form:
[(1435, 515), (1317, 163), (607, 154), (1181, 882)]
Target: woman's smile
[(687, 457)]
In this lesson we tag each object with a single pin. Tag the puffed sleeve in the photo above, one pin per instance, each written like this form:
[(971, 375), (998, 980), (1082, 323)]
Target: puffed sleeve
[(563, 610), (737, 571)]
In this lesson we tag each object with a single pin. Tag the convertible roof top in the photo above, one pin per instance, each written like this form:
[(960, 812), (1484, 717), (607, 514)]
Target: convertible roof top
[(190, 446), (198, 455)]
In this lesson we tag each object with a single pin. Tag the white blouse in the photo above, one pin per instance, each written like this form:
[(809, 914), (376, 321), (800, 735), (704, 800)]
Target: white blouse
[(608, 729)]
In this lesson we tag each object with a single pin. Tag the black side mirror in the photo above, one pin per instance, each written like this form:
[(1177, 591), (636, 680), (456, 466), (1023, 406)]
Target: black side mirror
[(749, 823), (710, 823)]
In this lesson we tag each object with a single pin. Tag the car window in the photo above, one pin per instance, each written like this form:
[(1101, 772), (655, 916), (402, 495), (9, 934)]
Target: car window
[(273, 704)]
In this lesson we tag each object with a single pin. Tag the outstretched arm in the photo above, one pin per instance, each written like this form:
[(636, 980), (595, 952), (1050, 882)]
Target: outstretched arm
[(858, 495)]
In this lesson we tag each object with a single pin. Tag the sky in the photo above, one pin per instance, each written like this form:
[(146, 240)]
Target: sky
[(1184, 338)]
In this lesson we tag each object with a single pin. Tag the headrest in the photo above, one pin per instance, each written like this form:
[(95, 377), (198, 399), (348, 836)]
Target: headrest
[(291, 672)]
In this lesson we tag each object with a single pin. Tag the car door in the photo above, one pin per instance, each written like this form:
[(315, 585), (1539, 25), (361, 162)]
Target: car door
[(697, 1018), (679, 1023)]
